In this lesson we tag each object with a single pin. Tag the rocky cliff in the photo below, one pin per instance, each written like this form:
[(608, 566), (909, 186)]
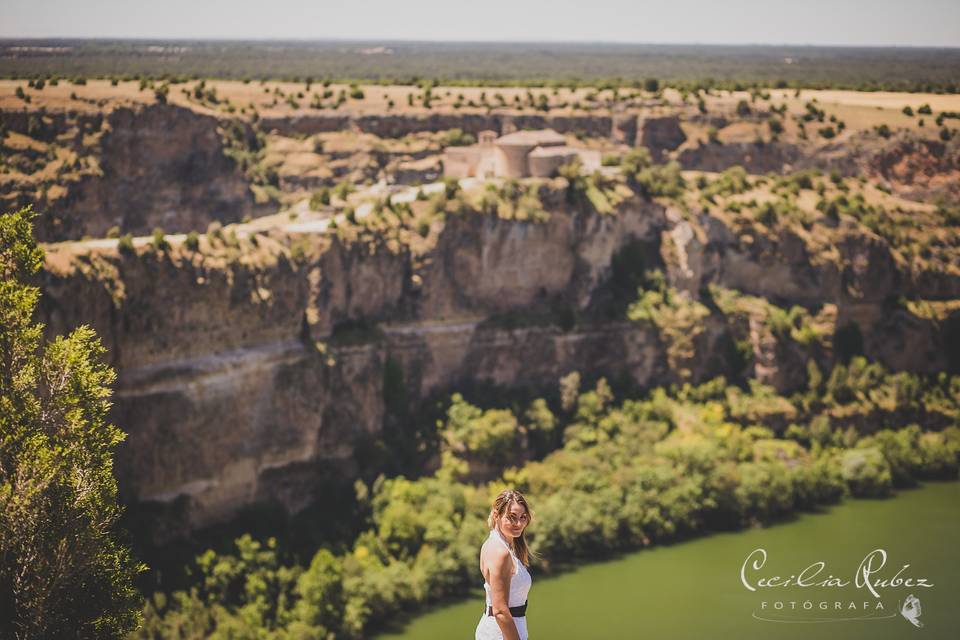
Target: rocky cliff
[(255, 368), (229, 400), (133, 167)]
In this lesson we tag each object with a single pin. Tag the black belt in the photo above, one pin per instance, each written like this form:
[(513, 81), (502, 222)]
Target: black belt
[(516, 612)]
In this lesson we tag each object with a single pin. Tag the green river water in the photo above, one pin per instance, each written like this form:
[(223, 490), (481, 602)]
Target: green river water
[(694, 589)]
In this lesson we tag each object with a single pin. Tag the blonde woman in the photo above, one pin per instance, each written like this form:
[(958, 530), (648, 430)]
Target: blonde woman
[(504, 558)]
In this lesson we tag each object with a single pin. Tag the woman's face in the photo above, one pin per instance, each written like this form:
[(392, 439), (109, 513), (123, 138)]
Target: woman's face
[(514, 520)]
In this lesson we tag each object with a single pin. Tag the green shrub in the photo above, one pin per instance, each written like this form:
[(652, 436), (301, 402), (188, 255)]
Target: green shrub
[(901, 449), (472, 433), (158, 240), (342, 190), (634, 161), (732, 181), (192, 241), (660, 181), (866, 472), (125, 244), (457, 138), (320, 199), (765, 491), (940, 453), (451, 187)]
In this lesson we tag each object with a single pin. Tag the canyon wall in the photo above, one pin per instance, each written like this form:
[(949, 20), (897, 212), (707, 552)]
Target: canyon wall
[(136, 168), (248, 375), (227, 398)]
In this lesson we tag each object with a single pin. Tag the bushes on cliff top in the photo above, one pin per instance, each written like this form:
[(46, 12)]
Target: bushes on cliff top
[(731, 182), (158, 240), (513, 200), (125, 244), (660, 180), (597, 191), (457, 138)]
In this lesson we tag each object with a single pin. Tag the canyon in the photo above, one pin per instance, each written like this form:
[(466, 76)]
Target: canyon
[(267, 361)]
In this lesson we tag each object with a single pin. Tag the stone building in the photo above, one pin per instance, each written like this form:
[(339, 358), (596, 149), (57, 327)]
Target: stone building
[(516, 155)]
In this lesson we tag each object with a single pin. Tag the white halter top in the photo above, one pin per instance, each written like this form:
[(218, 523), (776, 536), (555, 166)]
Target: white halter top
[(520, 582)]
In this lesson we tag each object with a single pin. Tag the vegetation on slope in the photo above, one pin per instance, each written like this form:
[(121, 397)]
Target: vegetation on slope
[(669, 465)]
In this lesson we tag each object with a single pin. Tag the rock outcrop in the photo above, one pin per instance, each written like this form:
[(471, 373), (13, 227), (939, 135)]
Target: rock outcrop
[(152, 166), (659, 135)]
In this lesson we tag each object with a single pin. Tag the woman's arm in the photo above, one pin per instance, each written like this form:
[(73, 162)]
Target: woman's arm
[(501, 572)]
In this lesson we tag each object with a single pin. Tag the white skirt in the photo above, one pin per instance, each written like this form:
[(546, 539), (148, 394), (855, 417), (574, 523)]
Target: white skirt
[(488, 629)]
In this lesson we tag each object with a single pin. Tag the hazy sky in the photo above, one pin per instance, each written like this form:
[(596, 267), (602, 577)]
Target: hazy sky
[(843, 22)]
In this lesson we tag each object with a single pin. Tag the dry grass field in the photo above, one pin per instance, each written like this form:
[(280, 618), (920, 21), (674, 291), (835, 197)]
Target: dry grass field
[(857, 108)]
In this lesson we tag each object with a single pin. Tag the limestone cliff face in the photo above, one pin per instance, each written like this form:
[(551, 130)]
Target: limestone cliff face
[(226, 396), (859, 274), (485, 265), (858, 268), (153, 166), (915, 167), (755, 158)]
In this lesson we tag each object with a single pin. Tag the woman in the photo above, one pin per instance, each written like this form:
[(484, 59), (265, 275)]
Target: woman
[(503, 562)]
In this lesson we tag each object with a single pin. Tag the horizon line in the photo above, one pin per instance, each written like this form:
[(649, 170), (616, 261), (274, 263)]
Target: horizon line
[(400, 40)]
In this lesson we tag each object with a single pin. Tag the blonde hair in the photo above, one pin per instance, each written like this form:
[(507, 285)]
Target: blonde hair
[(500, 506)]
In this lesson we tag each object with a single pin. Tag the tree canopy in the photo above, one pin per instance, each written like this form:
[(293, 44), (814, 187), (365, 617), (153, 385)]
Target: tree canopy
[(63, 571)]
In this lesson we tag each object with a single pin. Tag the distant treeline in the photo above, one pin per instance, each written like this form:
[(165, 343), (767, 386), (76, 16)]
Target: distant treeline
[(531, 64)]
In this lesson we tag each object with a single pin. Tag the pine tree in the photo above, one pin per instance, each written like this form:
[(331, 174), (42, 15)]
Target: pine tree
[(63, 573)]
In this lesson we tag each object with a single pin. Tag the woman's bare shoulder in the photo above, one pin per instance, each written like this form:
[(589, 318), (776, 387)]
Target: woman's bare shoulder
[(490, 547), (496, 555)]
